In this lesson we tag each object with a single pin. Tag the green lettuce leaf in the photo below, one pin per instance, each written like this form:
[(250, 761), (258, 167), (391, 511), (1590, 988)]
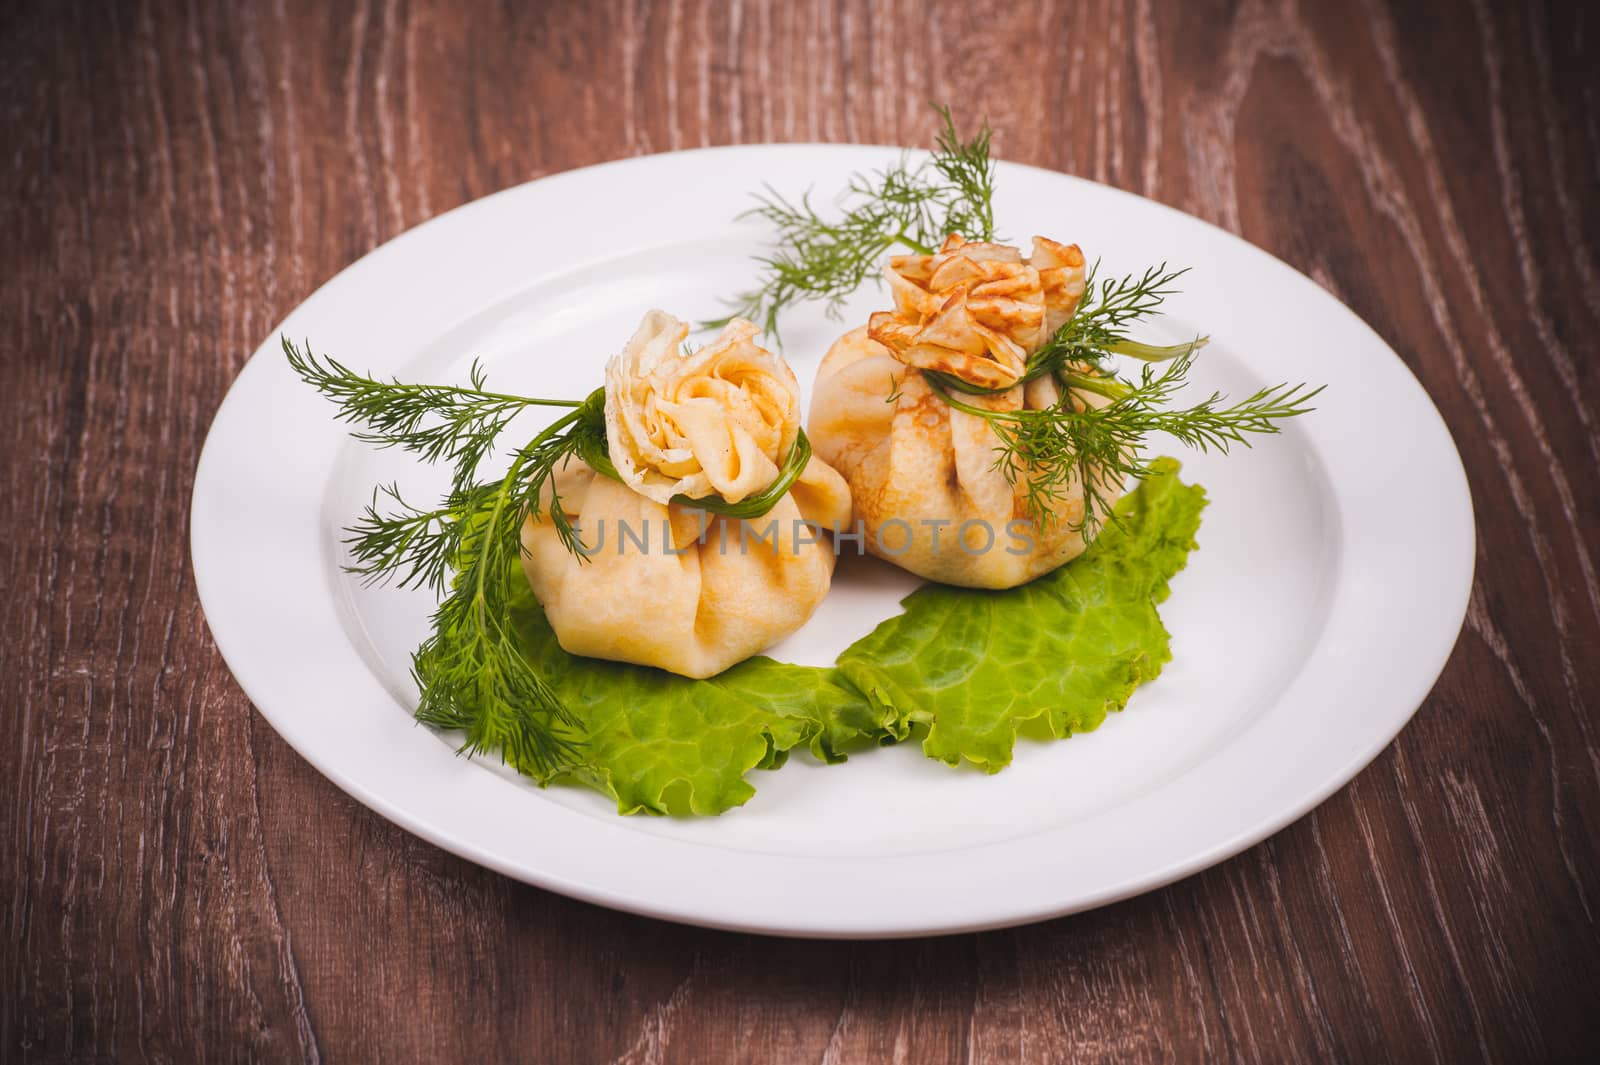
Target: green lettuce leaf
[(659, 743), (973, 667), (1048, 659)]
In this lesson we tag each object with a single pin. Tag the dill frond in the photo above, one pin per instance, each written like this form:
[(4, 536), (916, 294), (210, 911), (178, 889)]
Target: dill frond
[(908, 206), (1044, 451)]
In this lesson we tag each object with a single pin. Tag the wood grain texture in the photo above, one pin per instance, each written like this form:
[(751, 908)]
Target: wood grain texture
[(177, 885)]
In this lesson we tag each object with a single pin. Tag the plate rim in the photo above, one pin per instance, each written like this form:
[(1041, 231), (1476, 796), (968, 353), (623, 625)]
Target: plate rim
[(203, 554)]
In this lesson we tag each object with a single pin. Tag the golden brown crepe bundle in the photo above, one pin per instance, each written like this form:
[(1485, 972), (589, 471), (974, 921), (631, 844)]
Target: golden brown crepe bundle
[(923, 475), (704, 591)]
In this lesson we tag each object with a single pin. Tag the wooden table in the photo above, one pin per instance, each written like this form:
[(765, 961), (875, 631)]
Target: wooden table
[(175, 177)]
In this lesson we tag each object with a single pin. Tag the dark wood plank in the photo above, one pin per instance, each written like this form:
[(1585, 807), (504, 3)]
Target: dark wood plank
[(176, 176)]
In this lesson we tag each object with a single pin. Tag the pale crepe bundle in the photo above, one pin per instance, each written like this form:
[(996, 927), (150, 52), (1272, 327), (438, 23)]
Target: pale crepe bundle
[(719, 421), (923, 475)]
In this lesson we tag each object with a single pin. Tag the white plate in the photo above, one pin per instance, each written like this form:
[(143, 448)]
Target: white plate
[(1332, 576)]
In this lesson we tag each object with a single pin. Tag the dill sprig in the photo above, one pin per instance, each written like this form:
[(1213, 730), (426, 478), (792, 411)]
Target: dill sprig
[(471, 671), (432, 421), (416, 544), (1098, 325), (1101, 447), (472, 674), (906, 206)]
